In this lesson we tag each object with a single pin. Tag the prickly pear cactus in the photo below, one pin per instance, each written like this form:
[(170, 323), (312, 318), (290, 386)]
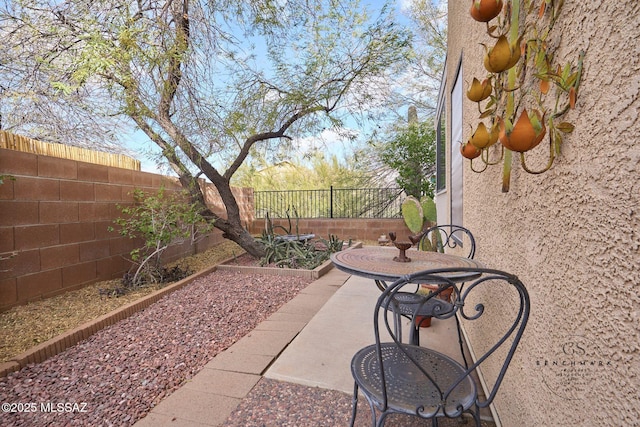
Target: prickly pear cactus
[(425, 245), (429, 209), (412, 214)]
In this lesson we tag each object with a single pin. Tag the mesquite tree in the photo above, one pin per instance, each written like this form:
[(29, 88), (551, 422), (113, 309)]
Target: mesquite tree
[(208, 81)]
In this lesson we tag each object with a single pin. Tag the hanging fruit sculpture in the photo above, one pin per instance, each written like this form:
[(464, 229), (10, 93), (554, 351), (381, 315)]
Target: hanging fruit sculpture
[(525, 94)]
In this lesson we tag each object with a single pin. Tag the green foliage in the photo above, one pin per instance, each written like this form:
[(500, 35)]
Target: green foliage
[(160, 221), (429, 209), (430, 215), (416, 213), (431, 242), (5, 177), (319, 171), (412, 154), (412, 214), (270, 228), (302, 254)]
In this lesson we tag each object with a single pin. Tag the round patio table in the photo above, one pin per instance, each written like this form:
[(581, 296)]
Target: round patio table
[(377, 263)]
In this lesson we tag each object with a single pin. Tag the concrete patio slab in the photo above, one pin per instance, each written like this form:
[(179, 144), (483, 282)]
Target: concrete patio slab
[(305, 304), (226, 383), (161, 420), (262, 342), (187, 405), (234, 361), (321, 354), (281, 325)]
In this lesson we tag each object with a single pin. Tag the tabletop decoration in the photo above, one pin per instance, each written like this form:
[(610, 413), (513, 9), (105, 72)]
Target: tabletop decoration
[(402, 247)]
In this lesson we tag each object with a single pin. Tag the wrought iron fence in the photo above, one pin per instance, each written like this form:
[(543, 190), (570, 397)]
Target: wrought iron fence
[(330, 203)]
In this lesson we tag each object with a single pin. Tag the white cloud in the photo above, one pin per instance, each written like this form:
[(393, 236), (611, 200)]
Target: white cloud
[(405, 5), (329, 141)]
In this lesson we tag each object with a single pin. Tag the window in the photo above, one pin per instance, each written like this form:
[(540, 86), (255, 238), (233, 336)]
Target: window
[(441, 147), (456, 186)]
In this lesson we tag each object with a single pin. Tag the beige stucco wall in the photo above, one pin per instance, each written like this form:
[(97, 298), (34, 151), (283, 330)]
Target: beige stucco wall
[(572, 234)]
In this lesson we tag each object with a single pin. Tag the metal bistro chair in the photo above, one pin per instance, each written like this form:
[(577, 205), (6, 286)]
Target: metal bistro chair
[(438, 238), (448, 236), (402, 378)]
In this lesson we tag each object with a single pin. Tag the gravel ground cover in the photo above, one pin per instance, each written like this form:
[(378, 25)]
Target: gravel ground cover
[(119, 374), (281, 404), (28, 325)]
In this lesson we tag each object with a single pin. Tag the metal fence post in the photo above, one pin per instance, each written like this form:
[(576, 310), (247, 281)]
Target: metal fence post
[(331, 202)]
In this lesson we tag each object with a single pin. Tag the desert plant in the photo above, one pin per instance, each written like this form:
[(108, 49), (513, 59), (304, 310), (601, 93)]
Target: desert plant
[(160, 220), (418, 213), (270, 228), (301, 254), (429, 209), (413, 214)]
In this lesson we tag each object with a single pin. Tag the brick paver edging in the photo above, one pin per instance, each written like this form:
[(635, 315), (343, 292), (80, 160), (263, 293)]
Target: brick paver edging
[(60, 343), (307, 274)]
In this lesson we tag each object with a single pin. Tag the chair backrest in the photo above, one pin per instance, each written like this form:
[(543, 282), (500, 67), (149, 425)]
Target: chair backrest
[(493, 298), (439, 237)]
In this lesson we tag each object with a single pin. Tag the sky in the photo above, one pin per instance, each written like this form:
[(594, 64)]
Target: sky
[(328, 141)]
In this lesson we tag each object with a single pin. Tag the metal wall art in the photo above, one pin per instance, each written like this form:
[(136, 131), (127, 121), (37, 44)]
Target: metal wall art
[(526, 93)]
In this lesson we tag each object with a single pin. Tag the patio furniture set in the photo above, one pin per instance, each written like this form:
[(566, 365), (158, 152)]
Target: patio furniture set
[(410, 378)]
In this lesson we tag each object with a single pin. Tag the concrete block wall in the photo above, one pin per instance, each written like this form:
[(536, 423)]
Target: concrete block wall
[(55, 215), (54, 219), (345, 228)]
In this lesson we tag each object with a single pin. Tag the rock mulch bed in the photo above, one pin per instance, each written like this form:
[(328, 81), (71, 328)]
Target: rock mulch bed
[(118, 375), (28, 325)]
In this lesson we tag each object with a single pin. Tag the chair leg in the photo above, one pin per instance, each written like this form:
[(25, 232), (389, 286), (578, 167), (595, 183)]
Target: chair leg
[(397, 323), (476, 415), (459, 327), (414, 335), (355, 404), (382, 419)]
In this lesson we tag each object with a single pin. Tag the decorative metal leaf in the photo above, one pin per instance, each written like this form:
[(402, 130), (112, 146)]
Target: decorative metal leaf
[(565, 127), (557, 141), (566, 71), (572, 98), (556, 78), (572, 79), (544, 86), (543, 7)]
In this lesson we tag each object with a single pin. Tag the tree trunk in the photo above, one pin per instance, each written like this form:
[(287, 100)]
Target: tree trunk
[(232, 225), (238, 234)]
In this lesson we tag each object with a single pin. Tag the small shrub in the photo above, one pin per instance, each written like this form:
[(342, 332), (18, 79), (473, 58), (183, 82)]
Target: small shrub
[(160, 220)]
